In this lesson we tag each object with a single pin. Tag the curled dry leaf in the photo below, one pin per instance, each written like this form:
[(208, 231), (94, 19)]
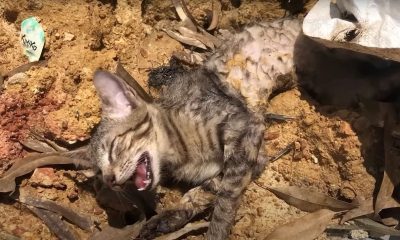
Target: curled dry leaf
[(198, 36), (375, 227), (366, 206), (81, 221), (24, 68), (184, 14), (391, 174), (28, 164), (188, 228), (307, 227), (37, 145), (216, 11), (185, 40), (309, 201), (54, 223)]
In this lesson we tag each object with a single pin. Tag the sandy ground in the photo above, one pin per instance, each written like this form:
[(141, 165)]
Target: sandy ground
[(335, 152)]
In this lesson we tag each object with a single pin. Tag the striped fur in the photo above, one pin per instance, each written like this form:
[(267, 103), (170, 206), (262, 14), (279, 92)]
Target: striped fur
[(203, 130)]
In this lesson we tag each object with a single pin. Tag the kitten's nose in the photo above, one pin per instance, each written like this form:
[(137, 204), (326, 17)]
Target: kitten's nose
[(109, 179)]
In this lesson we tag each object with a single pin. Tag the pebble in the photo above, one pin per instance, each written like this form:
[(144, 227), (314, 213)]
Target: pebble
[(44, 177), (73, 195), (345, 129), (68, 36), (358, 234), (2, 109), (314, 158)]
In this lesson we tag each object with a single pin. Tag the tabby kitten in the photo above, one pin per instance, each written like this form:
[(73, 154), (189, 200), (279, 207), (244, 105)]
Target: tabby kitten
[(205, 129)]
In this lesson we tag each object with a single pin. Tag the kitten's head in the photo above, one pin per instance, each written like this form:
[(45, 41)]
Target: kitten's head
[(125, 146)]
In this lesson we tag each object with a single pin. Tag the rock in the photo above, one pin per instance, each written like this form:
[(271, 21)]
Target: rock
[(345, 129), (44, 177), (68, 36), (358, 234)]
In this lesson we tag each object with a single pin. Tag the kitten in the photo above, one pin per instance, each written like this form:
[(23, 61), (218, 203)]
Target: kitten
[(206, 128)]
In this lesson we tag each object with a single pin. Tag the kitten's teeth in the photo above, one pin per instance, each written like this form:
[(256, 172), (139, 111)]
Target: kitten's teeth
[(147, 181), (141, 189)]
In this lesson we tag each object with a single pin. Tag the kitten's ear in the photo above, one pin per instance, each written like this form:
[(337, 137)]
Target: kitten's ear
[(117, 99)]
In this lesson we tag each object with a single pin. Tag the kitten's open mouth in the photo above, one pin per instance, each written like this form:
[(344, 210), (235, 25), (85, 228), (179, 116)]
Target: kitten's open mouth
[(143, 174)]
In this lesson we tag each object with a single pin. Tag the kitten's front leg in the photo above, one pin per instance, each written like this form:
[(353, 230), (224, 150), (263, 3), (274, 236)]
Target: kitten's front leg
[(241, 165), (237, 176), (194, 202)]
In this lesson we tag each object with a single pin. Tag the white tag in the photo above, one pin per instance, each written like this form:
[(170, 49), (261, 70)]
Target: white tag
[(32, 38)]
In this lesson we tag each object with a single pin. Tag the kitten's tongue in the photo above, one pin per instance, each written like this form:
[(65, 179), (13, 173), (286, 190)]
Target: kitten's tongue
[(140, 176)]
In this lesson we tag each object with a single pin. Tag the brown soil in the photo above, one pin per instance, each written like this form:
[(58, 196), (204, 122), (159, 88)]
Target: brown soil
[(335, 148)]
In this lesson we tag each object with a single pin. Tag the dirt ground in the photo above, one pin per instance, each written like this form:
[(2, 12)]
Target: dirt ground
[(335, 151)]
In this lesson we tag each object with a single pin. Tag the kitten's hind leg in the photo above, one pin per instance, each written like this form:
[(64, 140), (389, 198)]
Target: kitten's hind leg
[(194, 202)]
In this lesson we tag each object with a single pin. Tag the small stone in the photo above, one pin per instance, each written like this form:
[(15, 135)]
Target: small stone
[(73, 195), (358, 234), (64, 125), (345, 129), (97, 211), (59, 185), (260, 211), (44, 177), (2, 109), (271, 135), (68, 36), (314, 158), (308, 121)]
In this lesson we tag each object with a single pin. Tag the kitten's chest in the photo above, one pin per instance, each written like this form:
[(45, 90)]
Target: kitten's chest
[(203, 156)]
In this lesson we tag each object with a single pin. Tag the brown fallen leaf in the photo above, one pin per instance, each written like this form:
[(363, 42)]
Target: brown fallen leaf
[(307, 227), (371, 225), (198, 36), (54, 223), (81, 221), (185, 40), (187, 229), (216, 12), (390, 179), (28, 164), (184, 14), (37, 146), (366, 206), (309, 201)]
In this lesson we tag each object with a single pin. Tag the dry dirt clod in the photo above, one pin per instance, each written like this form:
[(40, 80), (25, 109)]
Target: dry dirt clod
[(43, 177)]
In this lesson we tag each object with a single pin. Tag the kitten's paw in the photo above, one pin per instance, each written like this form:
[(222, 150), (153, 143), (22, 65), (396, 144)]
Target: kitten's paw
[(165, 222)]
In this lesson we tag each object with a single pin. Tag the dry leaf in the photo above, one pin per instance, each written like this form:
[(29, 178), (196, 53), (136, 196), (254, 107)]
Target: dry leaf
[(384, 198), (309, 201), (188, 228), (37, 145), (28, 164), (390, 216), (81, 221), (54, 223), (366, 206), (375, 227), (307, 227)]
